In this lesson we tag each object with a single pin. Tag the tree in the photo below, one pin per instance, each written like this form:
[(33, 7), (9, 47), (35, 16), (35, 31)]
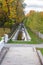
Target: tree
[(13, 10), (35, 21)]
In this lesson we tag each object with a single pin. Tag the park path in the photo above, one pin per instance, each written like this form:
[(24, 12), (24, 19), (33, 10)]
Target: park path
[(21, 56), (24, 45)]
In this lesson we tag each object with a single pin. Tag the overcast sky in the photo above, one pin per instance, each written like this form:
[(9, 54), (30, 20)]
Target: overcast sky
[(36, 5)]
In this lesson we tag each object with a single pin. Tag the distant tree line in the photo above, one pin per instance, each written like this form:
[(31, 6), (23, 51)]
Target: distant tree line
[(34, 21)]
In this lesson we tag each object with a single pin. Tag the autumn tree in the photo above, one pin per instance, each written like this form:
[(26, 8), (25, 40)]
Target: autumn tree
[(16, 10), (13, 9)]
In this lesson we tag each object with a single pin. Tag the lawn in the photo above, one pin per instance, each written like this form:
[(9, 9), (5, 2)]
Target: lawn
[(0, 38), (34, 38), (18, 42), (41, 49)]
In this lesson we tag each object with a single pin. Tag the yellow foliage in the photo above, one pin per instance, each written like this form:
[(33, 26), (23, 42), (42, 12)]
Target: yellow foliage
[(14, 9)]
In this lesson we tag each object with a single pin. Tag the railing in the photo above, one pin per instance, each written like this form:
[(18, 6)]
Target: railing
[(3, 41), (1, 44)]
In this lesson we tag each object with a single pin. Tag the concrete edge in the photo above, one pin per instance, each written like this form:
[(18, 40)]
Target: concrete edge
[(3, 54), (14, 33), (34, 49), (40, 56), (28, 36)]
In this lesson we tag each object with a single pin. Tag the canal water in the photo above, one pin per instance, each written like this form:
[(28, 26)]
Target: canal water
[(22, 35)]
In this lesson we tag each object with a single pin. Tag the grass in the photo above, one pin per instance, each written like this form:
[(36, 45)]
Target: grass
[(0, 38), (18, 42), (41, 49), (34, 38)]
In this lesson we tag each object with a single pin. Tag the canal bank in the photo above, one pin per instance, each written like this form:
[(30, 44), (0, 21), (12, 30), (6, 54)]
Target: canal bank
[(21, 34)]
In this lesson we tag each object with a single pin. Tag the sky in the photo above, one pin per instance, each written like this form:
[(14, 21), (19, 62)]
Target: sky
[(36, 5)]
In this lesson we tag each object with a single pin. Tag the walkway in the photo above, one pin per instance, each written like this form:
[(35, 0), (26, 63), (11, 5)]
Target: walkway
[(21, 56), (24, 45)]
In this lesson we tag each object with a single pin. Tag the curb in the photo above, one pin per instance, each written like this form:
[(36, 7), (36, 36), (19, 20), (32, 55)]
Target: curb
[(3, 53)]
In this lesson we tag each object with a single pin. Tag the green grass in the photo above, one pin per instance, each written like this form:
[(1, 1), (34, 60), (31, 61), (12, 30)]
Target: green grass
[(18, 42), (34, 38), (41, 49), (0, 38)]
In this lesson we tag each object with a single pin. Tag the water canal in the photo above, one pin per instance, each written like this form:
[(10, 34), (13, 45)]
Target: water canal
[(21, 34)]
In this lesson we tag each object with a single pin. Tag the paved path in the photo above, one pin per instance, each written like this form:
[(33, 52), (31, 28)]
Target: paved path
[(24, 45), (21, 56)]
